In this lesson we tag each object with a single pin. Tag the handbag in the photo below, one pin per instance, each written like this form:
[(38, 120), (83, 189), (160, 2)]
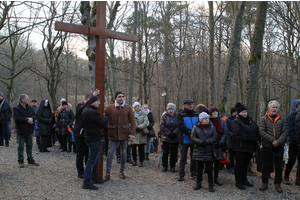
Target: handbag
[(145, 131), (151, 133)]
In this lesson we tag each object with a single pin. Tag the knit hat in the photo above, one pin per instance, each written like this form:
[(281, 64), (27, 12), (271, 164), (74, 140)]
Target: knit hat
[(188, 101), (171, 106), (212, 109), (201, 108), (117, 93), (62, 99), (64, 103), (136, 104), (92, 99), (202, 116), (2, 95), (232, 110), (240, 107), (33, 100)]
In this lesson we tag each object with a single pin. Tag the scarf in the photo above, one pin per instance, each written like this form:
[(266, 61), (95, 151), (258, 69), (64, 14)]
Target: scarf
[(138, 113), (246, 120), (217, 125)]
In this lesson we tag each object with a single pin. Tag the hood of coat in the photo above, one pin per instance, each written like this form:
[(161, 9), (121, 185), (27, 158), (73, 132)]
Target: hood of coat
[(294, 104)]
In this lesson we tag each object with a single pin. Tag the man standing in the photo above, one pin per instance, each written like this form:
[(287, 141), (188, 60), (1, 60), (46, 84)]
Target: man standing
[(273, 130), (4, 119), (92, 124), (34, 105), (293, 143), (186, 120), (24, 119), (121, 129)]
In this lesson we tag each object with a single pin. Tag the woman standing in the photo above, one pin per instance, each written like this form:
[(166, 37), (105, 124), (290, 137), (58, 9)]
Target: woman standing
[(204, 137), (221, 130), (150, 128), (169, 137), (141, 122), (45, 121), (244, 141)]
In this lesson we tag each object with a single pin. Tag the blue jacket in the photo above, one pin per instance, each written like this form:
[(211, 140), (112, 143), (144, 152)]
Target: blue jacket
[(186, 120), (290, 119)]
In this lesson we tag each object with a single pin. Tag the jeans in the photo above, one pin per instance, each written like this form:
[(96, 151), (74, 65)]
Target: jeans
[(173, 153), (4, 133), (118, 155), (82, 154), (184, 150), (111, 150), (149, 144), (92, 163), (293, 154), (9, 129), (208, 168), (241, 166), (141, 152), (54, 137), (267, 158), (21, 140)]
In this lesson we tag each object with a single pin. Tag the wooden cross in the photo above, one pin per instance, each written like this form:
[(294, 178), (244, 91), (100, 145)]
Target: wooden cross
[(101, 34)]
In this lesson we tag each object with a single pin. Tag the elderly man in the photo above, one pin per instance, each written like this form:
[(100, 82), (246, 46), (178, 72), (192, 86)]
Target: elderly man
[(121, 129), (273, 131), (24, 119)]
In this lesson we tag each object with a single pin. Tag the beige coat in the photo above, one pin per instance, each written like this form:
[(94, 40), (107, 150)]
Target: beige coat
[(142, 122)]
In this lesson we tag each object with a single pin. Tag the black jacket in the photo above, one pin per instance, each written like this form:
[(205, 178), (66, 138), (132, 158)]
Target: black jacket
[(64, 118), (168, 124), (5, 110), (78, 120), (45, 119), (151, 121), (92, 124), (198, 136), (20, 116), (245, 136)]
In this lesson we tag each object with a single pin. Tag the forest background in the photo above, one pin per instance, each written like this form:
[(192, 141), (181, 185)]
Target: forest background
[(216, 53)]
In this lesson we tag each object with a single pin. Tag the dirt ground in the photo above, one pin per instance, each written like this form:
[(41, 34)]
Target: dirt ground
[(56, 178)]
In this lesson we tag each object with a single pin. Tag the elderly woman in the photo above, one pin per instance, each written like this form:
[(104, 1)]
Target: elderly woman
[(141, 122), (150, 128), (45, 121), (169, 136), (221, 130), (204, 137), (244, 141)]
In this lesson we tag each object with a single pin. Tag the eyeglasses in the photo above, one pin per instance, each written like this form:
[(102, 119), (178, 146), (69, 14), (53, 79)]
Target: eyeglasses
[(121, 96)]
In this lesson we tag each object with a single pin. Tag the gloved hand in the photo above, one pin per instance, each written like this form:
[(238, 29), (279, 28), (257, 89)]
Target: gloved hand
[(218, 145), (172, 135), (137, 129), (204, 143)]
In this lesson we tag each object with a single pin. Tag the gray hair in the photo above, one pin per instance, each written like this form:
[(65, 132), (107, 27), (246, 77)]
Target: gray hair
[(23, 96), (273, 101)]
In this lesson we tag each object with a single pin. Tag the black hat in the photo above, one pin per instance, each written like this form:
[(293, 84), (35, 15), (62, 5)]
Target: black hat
[(117, 93), (232, 110), (33, 100), (240, 107), (188, 101), (64, 103), (92, 99)]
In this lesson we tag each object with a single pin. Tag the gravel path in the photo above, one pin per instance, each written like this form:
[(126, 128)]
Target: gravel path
[(56, 178)]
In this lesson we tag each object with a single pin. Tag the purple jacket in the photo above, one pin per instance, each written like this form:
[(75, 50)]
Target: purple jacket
[(168, 124)]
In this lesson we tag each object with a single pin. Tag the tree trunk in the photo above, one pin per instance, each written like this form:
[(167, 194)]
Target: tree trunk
[(255, 56), (211, 53)]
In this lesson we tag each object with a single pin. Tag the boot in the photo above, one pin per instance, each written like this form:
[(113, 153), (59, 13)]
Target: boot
[(134, 163), (21, 163), (164, 169), (218, 182), (141, 164), (32, 162), (278, 188), (147, 156), (211, 188), (198, 186), (263, 187)]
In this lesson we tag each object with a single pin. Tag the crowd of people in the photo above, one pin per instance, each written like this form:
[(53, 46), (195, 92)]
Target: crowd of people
[(128, 130)]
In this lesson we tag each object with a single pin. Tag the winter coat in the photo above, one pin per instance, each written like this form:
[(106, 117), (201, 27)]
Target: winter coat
[(297, 121), (92, 124), (290, 120), (142, 122), (198, 135), (186, 120), (245, 136), (269, 131), (121, 122), (228, 123), (151, 122), (65, 118), (168, 124), (20, 116), (45, 119), (221, 139), (5, 111), (78, 118)]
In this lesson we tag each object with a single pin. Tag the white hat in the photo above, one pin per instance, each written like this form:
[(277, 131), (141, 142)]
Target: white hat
[(136, 104), (63, 99), (202, 116)]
